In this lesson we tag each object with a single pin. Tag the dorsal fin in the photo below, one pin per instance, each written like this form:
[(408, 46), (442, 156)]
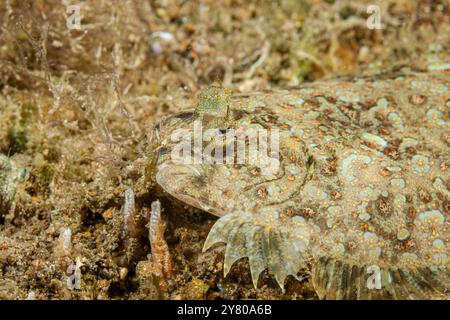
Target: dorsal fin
[(334, 279)]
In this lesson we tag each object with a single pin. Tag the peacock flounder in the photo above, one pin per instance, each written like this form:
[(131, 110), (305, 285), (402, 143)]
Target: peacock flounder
[(353, 183)]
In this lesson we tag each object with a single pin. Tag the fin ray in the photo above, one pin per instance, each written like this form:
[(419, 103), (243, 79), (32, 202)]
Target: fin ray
[(267, 242), (334, 279)]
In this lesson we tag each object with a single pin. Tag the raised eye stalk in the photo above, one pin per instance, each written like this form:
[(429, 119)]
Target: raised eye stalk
[(213, 106)]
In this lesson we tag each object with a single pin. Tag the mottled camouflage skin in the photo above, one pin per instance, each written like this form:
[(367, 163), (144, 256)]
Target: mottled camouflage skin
[(364, 181)]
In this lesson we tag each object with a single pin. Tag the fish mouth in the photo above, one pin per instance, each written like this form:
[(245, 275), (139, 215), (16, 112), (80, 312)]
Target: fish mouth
[(185, 182)]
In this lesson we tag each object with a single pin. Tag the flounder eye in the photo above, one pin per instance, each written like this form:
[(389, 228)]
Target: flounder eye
[(213, 106)]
